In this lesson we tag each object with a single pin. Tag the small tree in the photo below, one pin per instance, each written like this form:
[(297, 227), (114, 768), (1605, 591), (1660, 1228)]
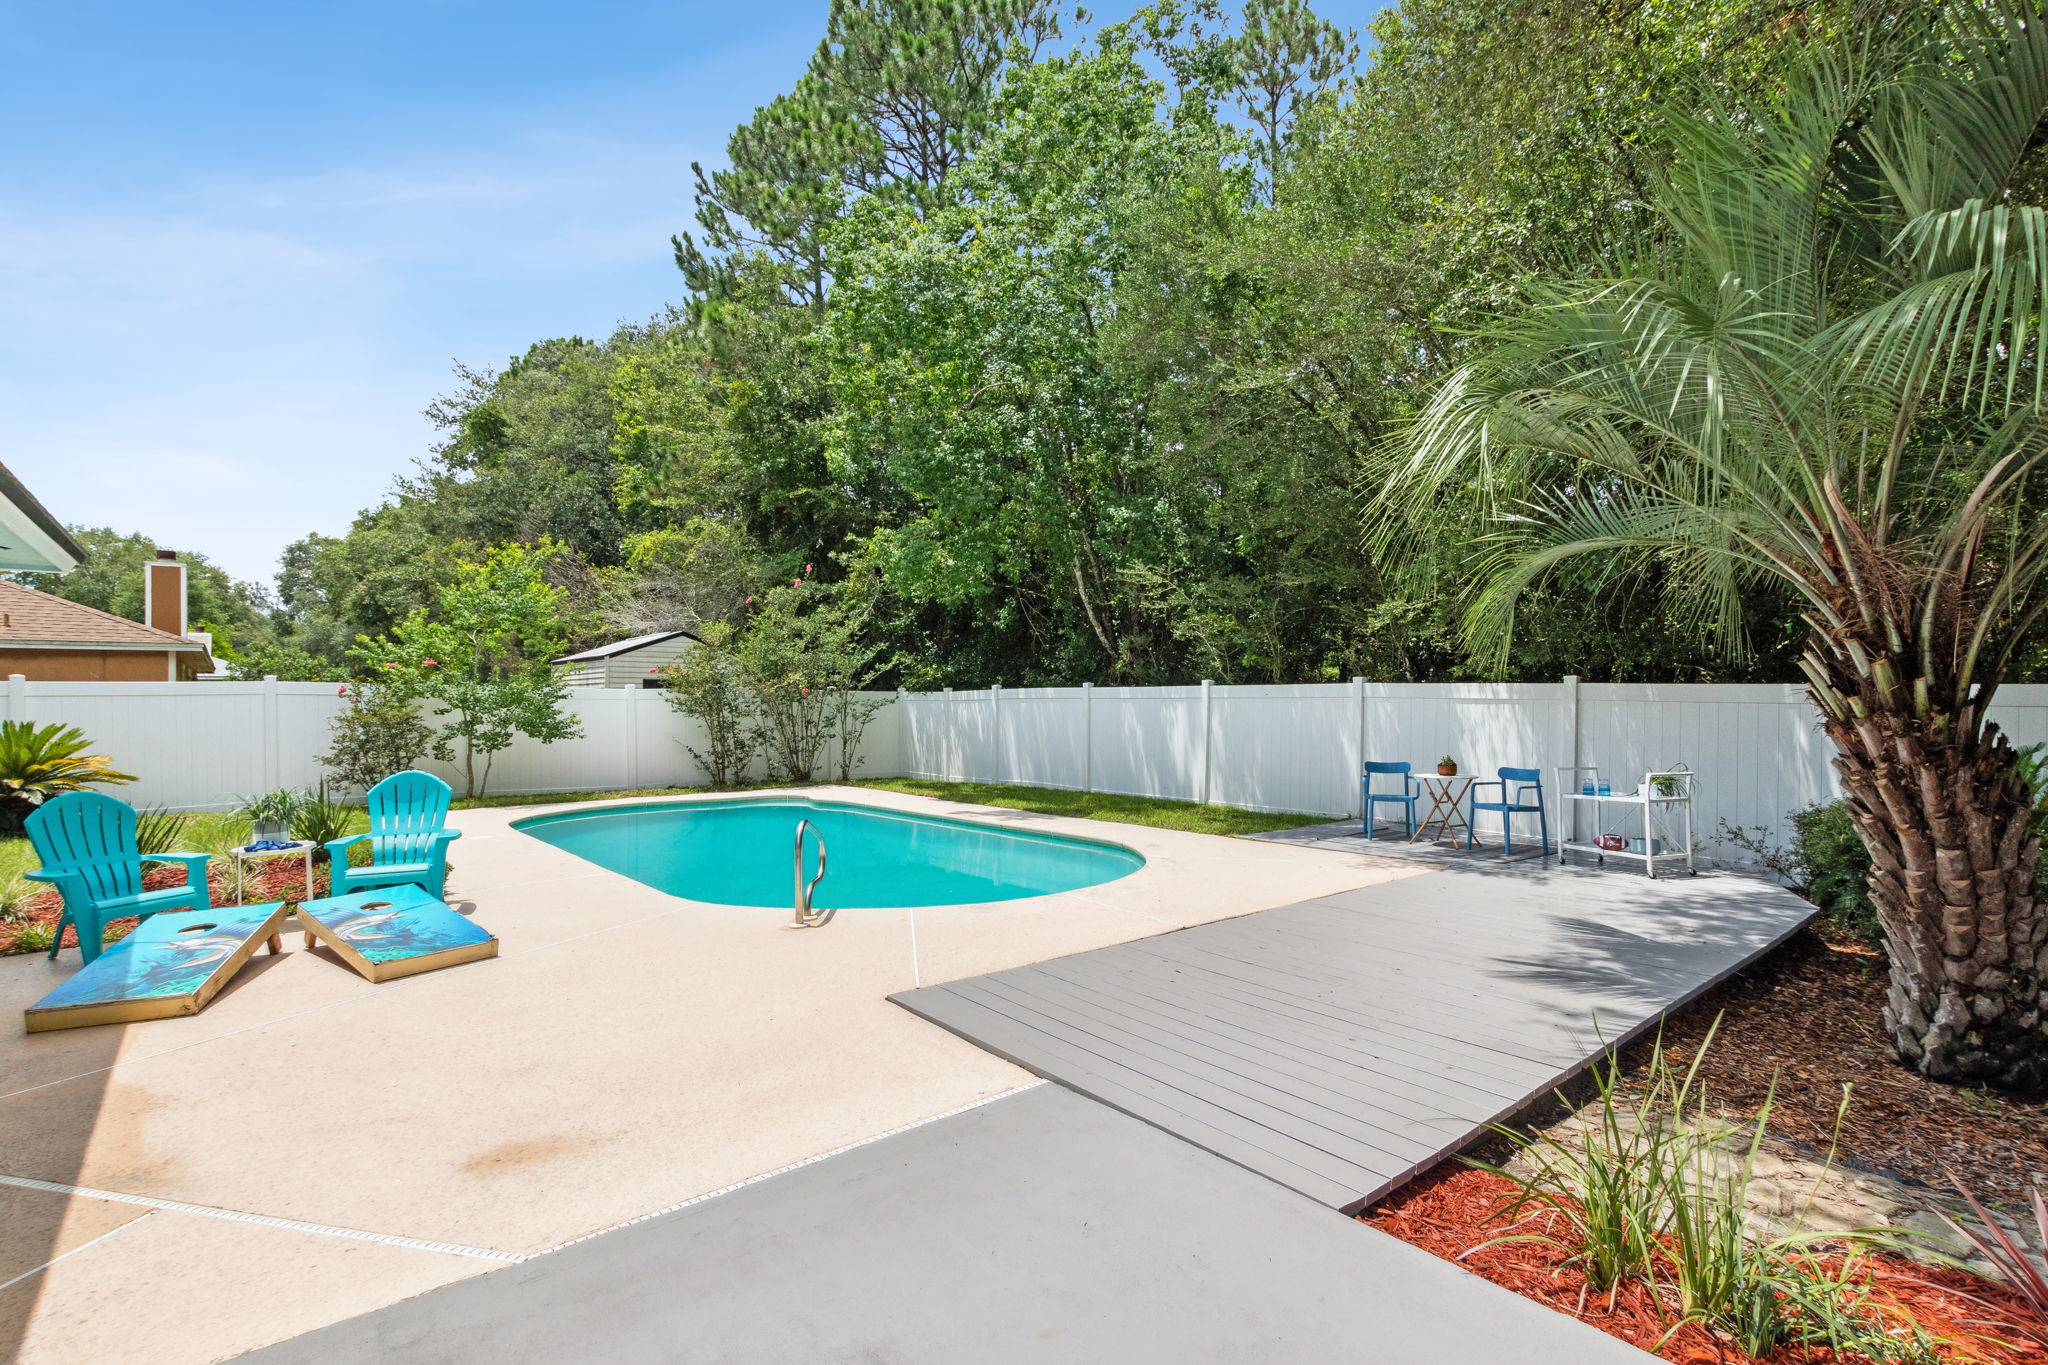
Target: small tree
[(709, 685), (851, 713), (379, 733), (801, 658), (483, 660)]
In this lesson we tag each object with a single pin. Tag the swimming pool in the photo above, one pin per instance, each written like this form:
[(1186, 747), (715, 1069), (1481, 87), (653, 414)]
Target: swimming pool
[(739, 852)]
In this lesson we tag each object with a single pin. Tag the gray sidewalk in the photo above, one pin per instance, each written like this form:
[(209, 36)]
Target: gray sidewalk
[(1042, 1227)]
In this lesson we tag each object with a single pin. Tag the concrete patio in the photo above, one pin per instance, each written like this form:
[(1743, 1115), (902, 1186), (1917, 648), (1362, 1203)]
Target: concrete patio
[(338, 1146)]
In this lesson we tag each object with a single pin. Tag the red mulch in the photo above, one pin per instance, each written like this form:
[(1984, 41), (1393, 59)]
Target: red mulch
[(1810, 1017), (272, 879), (1454, 1209)]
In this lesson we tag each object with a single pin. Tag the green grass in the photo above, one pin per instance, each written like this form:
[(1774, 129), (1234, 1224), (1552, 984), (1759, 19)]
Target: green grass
[(1125, 810)]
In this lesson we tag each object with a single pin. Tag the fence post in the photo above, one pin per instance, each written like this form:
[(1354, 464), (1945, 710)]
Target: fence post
[(1087, 736), (272, 776), (1208, 735), (632, 728), (1358, 776), (995, 729), (17, 696), (903, 736), (1571, 748)]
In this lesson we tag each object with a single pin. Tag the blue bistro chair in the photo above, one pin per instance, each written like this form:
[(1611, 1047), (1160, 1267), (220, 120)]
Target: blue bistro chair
[(1527, 780), (409, 838), (86, 841), (1410, 791)]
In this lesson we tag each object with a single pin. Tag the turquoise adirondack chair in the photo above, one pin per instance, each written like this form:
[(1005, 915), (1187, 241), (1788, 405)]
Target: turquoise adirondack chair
[(87, 843), (409, 837)]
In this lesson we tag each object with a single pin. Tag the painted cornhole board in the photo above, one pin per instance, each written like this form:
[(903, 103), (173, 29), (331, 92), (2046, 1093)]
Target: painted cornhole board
[(169, 965), (394, 931)]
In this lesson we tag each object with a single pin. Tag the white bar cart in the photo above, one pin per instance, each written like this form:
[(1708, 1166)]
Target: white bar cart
[(1664, 794)]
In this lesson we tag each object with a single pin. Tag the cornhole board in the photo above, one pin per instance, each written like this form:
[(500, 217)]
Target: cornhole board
[(394, 931), (171, 964)]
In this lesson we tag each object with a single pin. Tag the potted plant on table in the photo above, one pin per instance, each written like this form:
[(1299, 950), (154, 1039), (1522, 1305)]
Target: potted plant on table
[(270, 816), (1447, 766)]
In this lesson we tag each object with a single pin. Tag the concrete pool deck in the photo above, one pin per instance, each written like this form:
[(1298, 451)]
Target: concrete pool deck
[(314, 1146)]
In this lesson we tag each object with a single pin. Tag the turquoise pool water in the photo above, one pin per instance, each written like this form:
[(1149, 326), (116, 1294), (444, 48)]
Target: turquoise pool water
[(740, 852)]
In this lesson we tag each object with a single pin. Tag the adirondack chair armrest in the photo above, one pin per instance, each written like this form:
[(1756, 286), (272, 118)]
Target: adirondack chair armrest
[(337, 849), (446, 836), (62, 877), (194, 862)]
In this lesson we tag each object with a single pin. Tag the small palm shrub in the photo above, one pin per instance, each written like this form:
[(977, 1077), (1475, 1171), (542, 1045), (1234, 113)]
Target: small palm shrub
[(320, 820), (158, 830), (38, 762)]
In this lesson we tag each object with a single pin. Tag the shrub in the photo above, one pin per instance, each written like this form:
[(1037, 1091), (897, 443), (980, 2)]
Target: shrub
[(158, 830), (321, 821), (709, 686), (1825, 862), (38, 762), (1653, 1189), (1833, 868), (379, 733), (34, 938), (801, 657)]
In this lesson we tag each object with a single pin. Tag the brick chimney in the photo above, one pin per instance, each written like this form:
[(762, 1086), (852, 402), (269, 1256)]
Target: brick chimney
[(163, 593)]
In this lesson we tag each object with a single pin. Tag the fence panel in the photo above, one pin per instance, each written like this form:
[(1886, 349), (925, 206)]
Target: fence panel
[(1147, 741), (201, 746), (1286, 748), (1757, 748)]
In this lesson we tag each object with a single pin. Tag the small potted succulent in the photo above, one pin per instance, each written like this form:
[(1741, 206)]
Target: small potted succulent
[(1447, 766)]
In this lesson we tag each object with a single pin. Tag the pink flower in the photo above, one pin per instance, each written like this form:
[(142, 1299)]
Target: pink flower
[(750, 601), (391, 665), (796, 582), (807, 568), (807, 691), (428, 663), (341, 691)]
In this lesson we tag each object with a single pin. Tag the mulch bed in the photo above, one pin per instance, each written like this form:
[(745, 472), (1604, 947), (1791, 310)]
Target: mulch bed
[(1455, 1209), (272, 879), (1810, 1017)]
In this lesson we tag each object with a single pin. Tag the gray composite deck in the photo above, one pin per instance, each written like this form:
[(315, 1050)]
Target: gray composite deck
[(1342, 1045)]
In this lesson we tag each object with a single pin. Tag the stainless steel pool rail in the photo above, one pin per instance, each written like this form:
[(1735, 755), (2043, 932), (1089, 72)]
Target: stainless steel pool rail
[(804, 916)]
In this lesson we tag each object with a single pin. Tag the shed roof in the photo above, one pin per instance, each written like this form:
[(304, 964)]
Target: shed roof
[(618, 647), (28, 617)]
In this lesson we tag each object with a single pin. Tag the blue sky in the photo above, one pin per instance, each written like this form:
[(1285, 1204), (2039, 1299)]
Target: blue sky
[(242, 243)]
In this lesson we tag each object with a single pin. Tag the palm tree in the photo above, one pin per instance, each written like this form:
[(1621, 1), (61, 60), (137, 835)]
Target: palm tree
[(38, 762), (1825, 375)]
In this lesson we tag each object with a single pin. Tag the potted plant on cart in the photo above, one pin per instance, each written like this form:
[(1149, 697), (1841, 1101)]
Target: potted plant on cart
[(1447, 766)]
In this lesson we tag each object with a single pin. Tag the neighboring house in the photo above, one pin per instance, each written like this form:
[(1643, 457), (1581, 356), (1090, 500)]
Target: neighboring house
[(626, 663), (30, 538), (45, 638)]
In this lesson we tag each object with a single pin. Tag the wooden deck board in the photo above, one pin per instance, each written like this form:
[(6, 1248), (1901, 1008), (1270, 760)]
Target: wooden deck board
[(1343, 1045)]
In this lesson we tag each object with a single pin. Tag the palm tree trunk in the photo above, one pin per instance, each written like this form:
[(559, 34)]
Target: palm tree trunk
[(1941, 805)]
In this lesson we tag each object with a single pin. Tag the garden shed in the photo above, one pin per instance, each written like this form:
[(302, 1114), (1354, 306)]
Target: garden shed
[(636, 662)]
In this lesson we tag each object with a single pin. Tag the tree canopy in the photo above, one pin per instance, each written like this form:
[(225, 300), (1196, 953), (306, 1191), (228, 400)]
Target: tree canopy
[(1082, 338)]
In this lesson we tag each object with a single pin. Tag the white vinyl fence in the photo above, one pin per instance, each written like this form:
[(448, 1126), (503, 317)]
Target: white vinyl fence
[(1758, 749), (200, 745)]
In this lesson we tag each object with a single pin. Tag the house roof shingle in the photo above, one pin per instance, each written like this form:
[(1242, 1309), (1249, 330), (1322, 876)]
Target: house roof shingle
[(28, 617)]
